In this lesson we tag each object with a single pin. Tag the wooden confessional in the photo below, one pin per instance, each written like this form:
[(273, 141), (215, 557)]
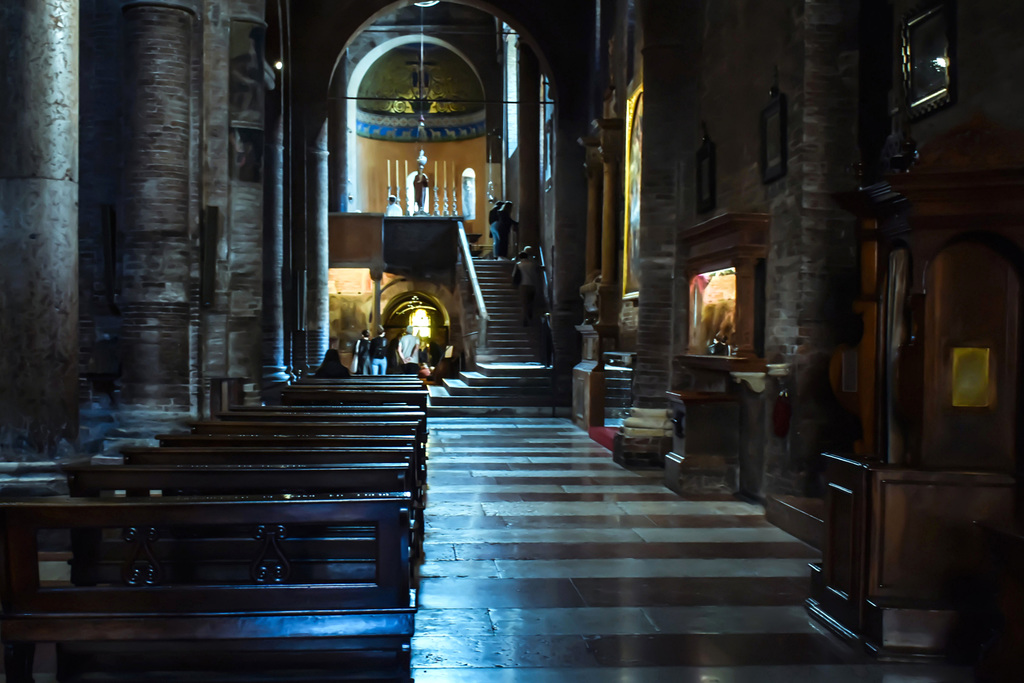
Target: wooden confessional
[(936, 384)]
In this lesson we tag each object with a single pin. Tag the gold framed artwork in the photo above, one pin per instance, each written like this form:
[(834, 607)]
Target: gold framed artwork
[(634, 157)]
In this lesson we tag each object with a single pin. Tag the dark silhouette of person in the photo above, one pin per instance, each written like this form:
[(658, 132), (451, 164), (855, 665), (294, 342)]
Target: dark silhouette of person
[(505, 227), (332, 367), (362, 353)]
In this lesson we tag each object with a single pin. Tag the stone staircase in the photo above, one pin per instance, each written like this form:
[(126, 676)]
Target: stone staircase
[(511, 378)]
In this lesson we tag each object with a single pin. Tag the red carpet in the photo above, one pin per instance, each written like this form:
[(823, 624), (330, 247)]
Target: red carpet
[(604, 436)]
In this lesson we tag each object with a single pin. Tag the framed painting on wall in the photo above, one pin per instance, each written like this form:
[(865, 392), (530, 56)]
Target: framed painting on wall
[(928, 43), (634, 158)]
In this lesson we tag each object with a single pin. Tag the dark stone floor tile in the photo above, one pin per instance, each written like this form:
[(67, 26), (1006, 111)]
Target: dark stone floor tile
[(652, 551), (467, 593), (570, 652), (669, 592), (733, 649)]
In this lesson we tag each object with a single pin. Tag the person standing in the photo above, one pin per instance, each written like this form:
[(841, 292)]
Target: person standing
[(379, 353), (526, 277), (362, 354), (492, 219), (408, 352), (506, 226)]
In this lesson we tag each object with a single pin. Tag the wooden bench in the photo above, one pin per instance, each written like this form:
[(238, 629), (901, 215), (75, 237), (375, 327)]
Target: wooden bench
[(341, 396), (328, 414), (305, 579), (88, 479)]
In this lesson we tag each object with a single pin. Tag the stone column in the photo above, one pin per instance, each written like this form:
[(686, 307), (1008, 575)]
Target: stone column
[(595, 170), (338, 139), (158, 250), (318, 327), (39, 75), (529, 148), (610, 292), (275, 371)]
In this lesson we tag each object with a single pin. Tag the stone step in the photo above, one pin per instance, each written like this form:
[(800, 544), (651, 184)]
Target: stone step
[(478, 379), (456, 387), (497, 411), (485, 357), (505, 369), (474, 401)]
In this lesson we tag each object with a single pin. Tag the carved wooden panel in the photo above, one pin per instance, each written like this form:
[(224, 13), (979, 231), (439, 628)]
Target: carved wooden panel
[(924, 540), (971, 312)]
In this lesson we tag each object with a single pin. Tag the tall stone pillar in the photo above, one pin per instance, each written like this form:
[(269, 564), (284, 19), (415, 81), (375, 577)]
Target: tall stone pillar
[(338, 139), (39, 75), (275, 372), (157, 254), (610, 292), (595, 171), (318, 326), (529, 148)]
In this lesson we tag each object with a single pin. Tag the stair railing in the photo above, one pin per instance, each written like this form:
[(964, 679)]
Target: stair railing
[(478, 295), (548, 347)]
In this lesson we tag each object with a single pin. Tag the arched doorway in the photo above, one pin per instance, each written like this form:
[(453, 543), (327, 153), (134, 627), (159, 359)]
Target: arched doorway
[(428, 318)]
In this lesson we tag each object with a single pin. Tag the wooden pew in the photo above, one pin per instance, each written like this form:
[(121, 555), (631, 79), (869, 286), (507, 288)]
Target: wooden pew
[(270, 455), (292, 440), (342, 396), (328, 414), (211, 577), (95, 480)]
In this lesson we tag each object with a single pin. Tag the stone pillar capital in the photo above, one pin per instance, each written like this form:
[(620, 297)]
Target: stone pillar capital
[(593, 162)]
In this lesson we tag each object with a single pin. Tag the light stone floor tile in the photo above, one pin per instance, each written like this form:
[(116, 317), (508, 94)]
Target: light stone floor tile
[(533, 536), (553, 474), (582, 535), (892, 673), (615, 568), (513, 453), (716, 535), (535, 509), (645, 620), (492, 488), (573, 620), (576, 508), (690, 507), (443, 622), (729, 619), (632, 488), (464, 461)]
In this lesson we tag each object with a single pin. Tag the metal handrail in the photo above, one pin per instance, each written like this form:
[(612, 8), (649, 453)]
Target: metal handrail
[(467, 258)]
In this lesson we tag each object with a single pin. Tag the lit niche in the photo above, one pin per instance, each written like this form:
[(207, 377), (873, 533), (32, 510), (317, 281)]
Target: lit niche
[(726, 275), (713, 307)]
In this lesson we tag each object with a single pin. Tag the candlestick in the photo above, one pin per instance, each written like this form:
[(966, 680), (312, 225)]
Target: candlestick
[(446, 176), (434, 179), (389, 176)]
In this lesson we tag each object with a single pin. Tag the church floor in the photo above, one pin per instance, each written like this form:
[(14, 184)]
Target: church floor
[(546, 561)]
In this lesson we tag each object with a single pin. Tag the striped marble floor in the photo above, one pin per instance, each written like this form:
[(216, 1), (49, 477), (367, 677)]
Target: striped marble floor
[(546, 561)]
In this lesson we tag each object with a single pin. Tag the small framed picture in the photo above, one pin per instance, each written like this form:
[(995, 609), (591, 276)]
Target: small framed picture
[(929, 57), (706, 174), (774, 141)]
